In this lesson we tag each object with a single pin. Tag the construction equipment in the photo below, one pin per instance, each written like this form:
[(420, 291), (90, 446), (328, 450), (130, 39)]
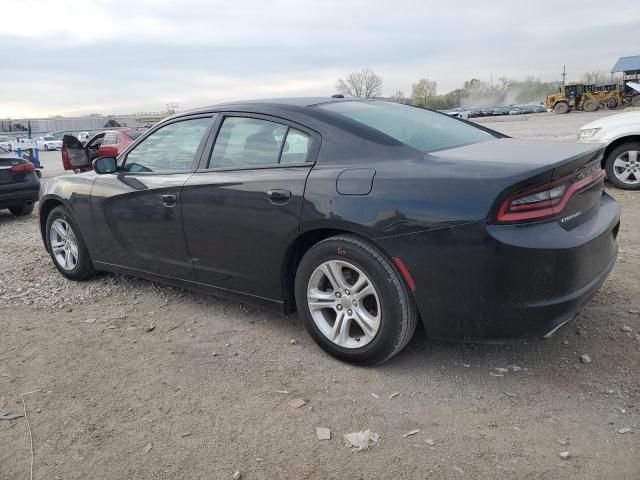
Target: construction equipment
[(574, 96), (630, 69), (579, 96)]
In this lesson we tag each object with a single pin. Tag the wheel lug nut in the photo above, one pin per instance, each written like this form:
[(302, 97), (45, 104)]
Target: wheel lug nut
[(338, 294), (339, 307), (347, 292), (349, 312), (355, 303)]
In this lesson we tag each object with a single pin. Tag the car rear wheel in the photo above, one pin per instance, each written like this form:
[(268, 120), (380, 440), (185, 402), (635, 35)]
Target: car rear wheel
[(23, 210), (623, 166), (353, 302), (46, 147), (66, 246)]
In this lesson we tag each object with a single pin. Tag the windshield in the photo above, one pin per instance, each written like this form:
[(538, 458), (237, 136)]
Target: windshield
[(421, 129), (50, 138)]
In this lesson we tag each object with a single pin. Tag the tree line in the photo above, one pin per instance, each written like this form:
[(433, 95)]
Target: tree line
[(474, 92)]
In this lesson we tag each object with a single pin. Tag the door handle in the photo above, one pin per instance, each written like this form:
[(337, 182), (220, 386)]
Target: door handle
[(279, 196), (169, 199)]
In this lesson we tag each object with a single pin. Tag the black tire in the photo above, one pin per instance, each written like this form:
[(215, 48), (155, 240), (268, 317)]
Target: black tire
[(46, 147), (398, 317), (590, 105), (23, 210), (609, 166), (84, 267), (636, 101), (561, 107), (610, 103)]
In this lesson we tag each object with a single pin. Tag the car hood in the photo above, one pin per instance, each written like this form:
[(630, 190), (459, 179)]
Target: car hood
[(630, 119)]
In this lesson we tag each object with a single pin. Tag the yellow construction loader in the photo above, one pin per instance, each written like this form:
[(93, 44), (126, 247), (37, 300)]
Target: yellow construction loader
[(578, 96)]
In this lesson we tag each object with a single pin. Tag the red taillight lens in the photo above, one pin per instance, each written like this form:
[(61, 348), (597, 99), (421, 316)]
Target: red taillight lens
[(23, 168), (545, 200), (66, 163)]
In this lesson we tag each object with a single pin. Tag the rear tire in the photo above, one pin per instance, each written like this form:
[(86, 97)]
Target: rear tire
[(561, 107), (623, 166), (610, 103), (361, 268), (636, 101), (590, 105), (64, 241), (23, 210)]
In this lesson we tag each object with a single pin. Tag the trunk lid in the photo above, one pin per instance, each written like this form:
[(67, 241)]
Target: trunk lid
[(8, 176), (519, 165)]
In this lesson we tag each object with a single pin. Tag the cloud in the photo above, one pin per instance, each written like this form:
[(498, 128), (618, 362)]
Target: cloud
[(119, 56)]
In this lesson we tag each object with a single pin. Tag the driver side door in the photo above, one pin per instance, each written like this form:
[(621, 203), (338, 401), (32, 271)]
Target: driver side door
[(137, 211)]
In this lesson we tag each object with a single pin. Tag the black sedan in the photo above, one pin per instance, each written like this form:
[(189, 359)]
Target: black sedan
[(19, 184), (365, 216)]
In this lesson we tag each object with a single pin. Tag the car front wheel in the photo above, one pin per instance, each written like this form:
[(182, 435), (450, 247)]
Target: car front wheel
[(353, 302), (623, 166), (66, 246)]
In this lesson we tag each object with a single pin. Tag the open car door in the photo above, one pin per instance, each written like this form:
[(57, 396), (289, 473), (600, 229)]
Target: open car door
[(74, 155)]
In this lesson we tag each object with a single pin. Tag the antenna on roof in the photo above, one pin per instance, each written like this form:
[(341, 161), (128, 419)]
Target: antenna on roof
[(337, 95)]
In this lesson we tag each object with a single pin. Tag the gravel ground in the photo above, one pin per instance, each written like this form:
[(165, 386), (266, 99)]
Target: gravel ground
[(208, 390)]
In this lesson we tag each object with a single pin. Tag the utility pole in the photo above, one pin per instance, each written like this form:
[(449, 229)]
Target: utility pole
[(564, 74)]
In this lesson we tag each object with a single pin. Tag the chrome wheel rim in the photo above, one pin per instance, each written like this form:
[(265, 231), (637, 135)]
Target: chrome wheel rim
[(626, 167), (344, 304), (63, 244)]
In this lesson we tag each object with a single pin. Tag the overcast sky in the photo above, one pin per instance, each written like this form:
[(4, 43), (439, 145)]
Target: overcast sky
[(80, 56)]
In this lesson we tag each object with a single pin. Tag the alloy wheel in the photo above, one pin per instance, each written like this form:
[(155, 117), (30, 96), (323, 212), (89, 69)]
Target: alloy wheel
[(344, 304), (64, 244), (626, 167)]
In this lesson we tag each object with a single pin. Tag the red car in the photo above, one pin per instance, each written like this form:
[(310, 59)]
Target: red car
[(110, 143)]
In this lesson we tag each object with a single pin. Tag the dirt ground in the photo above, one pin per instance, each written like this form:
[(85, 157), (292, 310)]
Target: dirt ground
[(206, 393)]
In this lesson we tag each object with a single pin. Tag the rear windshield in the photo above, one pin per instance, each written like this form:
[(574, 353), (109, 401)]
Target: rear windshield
[(419, 128)]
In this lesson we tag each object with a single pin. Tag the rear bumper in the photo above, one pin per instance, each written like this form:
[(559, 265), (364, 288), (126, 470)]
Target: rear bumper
[(17, 198), (13, 195), (501, 283)]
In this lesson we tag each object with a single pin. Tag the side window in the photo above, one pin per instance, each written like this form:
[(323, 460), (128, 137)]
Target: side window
[(171, 148), (296, 147), (110, 139), (244, 142)]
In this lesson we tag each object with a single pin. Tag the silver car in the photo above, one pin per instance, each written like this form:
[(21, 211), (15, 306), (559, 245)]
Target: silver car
[(620, 135)]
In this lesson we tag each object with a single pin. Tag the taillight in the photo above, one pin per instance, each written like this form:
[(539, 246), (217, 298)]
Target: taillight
[(66, 163), (546, 200), (27, 167)]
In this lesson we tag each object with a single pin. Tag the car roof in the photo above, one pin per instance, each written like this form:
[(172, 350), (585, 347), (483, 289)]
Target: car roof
[(274, 102)]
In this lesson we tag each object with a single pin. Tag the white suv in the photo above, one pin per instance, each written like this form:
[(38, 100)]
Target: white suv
[(620, 135)]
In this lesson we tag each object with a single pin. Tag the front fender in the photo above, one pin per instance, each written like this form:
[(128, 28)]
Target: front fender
[(74, 193)]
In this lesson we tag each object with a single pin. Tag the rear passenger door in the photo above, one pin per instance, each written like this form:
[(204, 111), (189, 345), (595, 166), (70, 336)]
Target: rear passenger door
[(241, 208)]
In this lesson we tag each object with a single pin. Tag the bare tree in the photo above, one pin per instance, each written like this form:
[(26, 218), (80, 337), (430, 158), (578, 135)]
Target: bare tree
[(504, 84), (422, 91), (595, 78), (363, 84), (398, 96)]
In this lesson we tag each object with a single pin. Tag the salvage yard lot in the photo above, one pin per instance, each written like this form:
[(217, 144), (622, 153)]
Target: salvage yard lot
[(139, 380)]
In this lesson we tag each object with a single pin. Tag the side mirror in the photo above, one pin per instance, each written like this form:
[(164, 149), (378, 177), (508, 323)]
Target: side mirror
[(105, 165)]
